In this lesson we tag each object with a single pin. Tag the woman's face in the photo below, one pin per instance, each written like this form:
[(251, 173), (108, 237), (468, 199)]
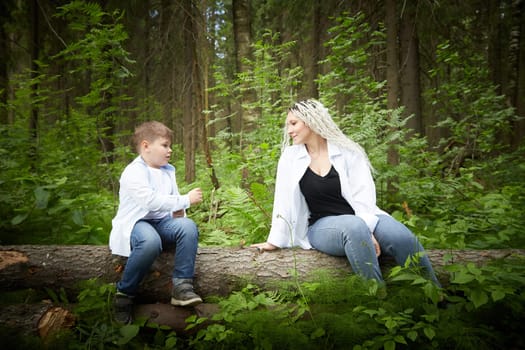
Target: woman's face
[(297, 129)]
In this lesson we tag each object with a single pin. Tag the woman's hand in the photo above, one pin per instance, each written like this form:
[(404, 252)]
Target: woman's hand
[(261, 247), (376, 246)]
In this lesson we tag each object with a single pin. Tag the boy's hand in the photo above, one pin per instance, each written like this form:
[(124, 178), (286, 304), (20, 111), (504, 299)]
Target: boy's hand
[(195, 196)]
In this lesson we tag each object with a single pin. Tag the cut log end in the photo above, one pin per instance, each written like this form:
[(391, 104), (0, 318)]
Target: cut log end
[(11, 257), (54, 320)]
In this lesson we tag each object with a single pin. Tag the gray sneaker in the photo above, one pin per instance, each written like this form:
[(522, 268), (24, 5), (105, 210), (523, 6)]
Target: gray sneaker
[(182, 294), (123, 308)]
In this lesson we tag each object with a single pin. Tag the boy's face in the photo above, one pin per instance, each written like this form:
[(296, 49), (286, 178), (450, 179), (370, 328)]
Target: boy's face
[(156, 153)]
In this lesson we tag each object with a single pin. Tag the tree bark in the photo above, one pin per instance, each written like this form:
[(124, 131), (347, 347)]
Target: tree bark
[(4, 57), (409, 63), (46, 320), (494, 44), (35, 53), (188, 93), (519, 98), (242, 35), (313, 52), (392, 64), (219, 270), (28, 319), (392, 79)]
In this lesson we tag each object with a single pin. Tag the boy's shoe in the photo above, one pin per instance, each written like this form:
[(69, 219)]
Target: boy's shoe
[(123, 308), (182, 294)]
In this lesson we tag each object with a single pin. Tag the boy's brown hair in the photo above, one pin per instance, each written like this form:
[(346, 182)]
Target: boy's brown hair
[(150, 131)]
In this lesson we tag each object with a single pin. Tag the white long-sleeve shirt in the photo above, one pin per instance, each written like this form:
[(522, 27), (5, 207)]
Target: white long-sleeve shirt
[(138, 197), (290, 211)]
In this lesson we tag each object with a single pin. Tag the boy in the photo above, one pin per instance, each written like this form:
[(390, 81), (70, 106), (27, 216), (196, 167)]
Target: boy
[(152, 213)]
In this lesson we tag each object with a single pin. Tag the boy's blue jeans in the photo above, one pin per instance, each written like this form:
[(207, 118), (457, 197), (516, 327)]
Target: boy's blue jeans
[(147, 240), (348, 235)]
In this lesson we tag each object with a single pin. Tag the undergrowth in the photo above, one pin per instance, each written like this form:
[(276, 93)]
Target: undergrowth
[(350, 313)]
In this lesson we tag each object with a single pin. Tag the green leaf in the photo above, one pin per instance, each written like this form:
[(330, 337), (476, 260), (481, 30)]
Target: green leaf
[(463, 277), (479, 297), (78, 217), (171, 342), (390, 345), (412, 335), (390, 323), (41, 197), (127, 333), (497, 295), (419, 280), (19, 219), (400, 339), (429, 332), (191, 319), (319, 332)]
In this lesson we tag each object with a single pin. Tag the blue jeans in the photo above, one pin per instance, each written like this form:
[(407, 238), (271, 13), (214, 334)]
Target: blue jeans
[(348, 235), (147, 240)]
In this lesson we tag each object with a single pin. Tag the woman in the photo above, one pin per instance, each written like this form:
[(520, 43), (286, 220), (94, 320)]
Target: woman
[(325, 198)]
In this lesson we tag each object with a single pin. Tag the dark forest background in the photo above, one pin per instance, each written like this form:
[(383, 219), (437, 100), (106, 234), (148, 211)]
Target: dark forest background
[(433, 90)]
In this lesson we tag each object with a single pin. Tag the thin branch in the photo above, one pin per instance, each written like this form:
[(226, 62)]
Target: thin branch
[(49, 24)]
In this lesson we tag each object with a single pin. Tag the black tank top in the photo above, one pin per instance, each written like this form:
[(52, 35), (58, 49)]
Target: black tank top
[(323, 195)]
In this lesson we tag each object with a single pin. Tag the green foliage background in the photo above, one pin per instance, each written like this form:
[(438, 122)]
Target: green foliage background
[(466, 193)]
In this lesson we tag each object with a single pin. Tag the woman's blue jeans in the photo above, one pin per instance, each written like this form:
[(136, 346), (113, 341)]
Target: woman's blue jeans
[(147, 239), (348, 235)]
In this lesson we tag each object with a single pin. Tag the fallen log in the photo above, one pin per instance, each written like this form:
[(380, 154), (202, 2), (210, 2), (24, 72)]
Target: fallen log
[(25, 317), (219, 270), (46, 320)]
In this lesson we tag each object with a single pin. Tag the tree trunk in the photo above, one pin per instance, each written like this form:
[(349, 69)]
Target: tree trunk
[(188, 96), (32, 319), (313, 54), (219, 270), (392, 65), (409, 61), (392, 79), (494, 43), (35, 49), (4, 56), (519, 97), (242, 35), (47, 320), (201, 77)]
